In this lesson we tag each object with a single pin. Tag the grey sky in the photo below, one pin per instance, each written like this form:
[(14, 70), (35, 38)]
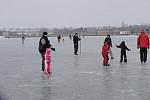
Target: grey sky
[(72, 13)]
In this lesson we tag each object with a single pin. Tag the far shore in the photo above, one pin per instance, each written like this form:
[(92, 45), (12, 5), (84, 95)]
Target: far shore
[(54, 35)]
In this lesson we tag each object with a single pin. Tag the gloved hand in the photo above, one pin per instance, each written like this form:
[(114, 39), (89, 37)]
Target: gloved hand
[(53, 49)]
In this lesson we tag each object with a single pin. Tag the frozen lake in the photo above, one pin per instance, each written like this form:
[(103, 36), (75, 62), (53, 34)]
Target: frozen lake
[(81, 77)]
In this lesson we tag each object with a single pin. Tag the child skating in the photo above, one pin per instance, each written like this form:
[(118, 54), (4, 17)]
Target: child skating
[(47, 61), (47, 56), (105, 51), (123, 48)]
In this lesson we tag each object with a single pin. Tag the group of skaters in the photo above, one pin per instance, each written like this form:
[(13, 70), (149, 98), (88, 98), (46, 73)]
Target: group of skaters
[(60, 37), (142, 44), (76, 38)]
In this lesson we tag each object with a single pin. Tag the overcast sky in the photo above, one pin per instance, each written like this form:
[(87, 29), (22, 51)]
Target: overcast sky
[(72, 13)]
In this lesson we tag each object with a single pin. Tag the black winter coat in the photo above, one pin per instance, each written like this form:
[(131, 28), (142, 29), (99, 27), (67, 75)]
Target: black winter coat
[(75, 39), (43, 44)]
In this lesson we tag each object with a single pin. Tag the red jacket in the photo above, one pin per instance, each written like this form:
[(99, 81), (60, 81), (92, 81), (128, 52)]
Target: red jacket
[(143, 40), (105, 49)]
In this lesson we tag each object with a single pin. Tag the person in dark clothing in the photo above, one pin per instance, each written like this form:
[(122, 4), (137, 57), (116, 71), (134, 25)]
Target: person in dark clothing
[(58, 37), (123, 48), (75, 41), (70, 37), (43, 44), (108, 39), (23, 39), (143, 44)]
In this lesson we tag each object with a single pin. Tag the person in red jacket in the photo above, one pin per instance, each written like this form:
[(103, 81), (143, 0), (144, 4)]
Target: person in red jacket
[(105, 51), (143, 44)]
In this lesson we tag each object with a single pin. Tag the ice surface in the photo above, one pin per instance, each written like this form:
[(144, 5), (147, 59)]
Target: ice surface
[(80, 77)]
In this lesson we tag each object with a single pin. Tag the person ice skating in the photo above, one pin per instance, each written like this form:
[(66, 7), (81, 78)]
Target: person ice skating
[(75, 41), (23, 39), (105, 51), (70, 37), (62, 38), (58, 37), (47, 56), (43, 44), (108, 39), (123, 48), (143, 44)]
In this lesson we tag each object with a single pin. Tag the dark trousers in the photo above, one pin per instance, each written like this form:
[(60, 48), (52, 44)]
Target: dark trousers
[(43, 60), (143, 54), (75, 48), (123, 54)]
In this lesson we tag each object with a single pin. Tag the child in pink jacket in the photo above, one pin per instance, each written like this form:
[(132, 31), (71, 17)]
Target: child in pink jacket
[(48, 60)]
